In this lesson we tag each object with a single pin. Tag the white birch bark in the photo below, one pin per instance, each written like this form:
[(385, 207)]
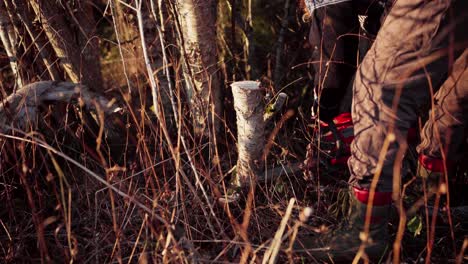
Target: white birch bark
[(198, 26), (249, 106)]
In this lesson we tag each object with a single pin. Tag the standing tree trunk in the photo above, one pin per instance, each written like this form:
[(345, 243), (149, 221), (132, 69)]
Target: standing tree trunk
[(26, 16), (8, 38), (198, 26), (87, 40), (155, 43), (79, 58)]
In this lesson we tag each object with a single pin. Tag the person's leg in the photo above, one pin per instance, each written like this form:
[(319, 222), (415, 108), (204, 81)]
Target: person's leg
[(391, 85), (338, 45), (334, 47), (408, 58), (443, 134), (371, 14)]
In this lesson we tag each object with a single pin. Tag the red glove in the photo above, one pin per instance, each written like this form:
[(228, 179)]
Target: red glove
[(336, 137)]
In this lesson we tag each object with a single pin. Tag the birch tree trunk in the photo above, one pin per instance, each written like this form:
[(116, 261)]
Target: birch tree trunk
[(80, 67), (8, 38), (249, 106), (155, 42), (26, 16), (88, 42), (198, 22)]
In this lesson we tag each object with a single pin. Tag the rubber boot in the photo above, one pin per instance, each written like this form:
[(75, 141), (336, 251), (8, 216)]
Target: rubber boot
[(342, 244)]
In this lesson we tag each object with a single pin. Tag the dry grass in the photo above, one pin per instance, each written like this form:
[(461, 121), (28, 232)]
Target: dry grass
[(135, 187)]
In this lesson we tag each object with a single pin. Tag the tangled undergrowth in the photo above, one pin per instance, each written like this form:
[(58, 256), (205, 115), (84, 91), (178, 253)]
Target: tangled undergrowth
[(80, 185), (76, 192)]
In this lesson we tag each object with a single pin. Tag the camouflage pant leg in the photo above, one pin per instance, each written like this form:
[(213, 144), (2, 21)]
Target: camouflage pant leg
[(334, 44), (445, 129), (393, 83), (338, 45)]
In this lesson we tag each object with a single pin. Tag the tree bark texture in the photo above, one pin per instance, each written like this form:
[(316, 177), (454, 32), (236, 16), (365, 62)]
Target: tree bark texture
[(21, 108), (88, 42), (198, 26), (155, 45), (249, 106), (80, 58), (8, 38), (26, 17)]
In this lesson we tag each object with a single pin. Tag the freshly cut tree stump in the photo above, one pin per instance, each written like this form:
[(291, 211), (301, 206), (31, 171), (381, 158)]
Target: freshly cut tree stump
[(249, 106)]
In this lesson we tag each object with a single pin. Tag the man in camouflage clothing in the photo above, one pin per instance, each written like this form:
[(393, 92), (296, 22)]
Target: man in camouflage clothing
[(419, 51)]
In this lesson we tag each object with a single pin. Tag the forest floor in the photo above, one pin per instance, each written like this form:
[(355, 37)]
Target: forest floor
[(126, 202), (134, 188)]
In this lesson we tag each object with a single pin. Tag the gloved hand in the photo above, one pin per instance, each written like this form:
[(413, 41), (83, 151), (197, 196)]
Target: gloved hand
[(336, 136), (432, 171)]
